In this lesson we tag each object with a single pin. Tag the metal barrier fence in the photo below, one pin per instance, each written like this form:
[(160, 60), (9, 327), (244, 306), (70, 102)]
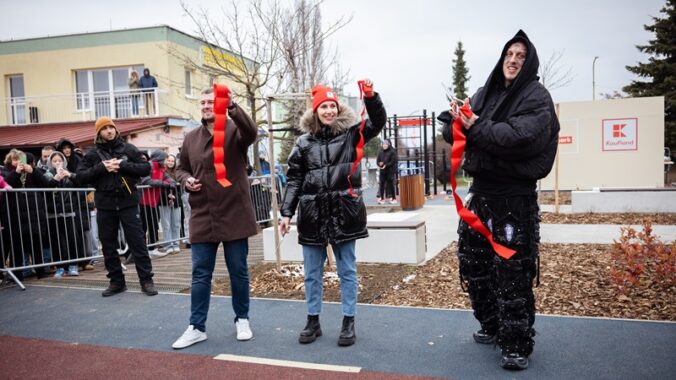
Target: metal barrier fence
[(57, 227)]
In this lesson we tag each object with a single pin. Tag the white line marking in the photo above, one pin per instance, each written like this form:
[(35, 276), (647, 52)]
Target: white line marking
[(287, 363)]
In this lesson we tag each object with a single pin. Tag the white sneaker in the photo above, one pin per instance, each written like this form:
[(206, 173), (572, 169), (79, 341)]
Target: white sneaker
[(189, 337), (156, 253), (176, 249), (243, 330)]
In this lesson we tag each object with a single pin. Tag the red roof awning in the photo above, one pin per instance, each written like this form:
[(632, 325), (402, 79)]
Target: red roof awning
[(80, 133)]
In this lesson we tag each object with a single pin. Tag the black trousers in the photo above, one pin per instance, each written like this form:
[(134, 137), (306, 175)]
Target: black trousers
[(66, 239), (386, 188), (130, 220), (501, 290)]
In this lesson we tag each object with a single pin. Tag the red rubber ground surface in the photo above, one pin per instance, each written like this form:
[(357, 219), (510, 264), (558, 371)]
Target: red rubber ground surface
[(24, 358)]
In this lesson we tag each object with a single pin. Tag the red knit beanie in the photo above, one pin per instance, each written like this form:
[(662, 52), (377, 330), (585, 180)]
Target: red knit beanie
[(321, 94)]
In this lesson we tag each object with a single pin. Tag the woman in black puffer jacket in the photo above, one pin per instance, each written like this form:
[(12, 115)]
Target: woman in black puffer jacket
[(319, 167)]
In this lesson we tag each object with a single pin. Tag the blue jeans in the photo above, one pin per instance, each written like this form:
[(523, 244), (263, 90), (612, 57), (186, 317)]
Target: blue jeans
[(314, 257), (203, 263), (171, 225)]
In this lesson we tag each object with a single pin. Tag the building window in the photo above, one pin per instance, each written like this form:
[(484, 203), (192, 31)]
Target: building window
[(106, 92), (188, 82), (17, 99)]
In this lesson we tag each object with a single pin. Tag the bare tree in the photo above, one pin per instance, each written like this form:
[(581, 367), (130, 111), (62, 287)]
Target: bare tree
[(301, 40), (268, 48), (552, 74), (243, 50)]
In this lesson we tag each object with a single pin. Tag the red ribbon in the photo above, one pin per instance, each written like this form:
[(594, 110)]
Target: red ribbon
[(360, 146), (221, 101), (459, 142)]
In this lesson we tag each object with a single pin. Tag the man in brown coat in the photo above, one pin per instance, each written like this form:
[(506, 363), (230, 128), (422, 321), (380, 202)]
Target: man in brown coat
[(219, 215)]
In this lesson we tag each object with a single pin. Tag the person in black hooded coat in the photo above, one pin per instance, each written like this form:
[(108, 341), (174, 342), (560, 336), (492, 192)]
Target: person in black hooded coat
[(317, 183), (387, 162), (511, 143), (74, 158), (24, 217)]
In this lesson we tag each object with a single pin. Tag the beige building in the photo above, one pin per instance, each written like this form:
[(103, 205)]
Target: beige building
[(615, 143), (77, 78)]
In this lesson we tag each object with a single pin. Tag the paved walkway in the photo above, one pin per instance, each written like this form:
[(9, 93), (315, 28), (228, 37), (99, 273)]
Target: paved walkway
[(394, 340)]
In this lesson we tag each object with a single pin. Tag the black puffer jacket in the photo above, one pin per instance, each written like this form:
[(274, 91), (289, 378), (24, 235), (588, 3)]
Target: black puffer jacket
[(389, 159), (25, 209), (514, 141), (114, 191), (317, 183)]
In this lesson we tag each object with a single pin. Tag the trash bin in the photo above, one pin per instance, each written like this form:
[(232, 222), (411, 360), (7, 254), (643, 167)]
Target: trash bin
[(411, 191)]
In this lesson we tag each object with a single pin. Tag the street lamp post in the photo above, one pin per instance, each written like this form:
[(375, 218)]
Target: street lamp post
[(594, 78)]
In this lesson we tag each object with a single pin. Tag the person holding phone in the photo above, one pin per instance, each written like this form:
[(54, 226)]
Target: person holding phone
[(19, 220), (114, 167), (219, 215)]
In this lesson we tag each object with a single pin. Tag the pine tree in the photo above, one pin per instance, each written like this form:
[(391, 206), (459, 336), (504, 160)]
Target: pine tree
[(460, 71), (661, 67)]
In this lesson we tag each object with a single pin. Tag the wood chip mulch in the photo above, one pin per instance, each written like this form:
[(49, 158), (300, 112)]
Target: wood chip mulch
[(597, 218), (574, 280)]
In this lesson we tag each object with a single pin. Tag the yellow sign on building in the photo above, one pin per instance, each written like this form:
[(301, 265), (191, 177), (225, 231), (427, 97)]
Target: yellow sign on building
[(221, 60)]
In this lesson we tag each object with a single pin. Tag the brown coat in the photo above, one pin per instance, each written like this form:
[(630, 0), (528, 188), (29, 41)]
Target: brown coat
[(219, 214)]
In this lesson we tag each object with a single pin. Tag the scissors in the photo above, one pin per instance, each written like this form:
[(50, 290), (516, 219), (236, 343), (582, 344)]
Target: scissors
[(450, 94)]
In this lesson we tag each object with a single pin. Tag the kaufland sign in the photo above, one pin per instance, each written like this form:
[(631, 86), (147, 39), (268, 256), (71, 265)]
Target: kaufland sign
[(620, 134)]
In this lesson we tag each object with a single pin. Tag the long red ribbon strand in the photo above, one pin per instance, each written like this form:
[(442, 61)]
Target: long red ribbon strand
[(360, 145), (221, 101), (459, 142)]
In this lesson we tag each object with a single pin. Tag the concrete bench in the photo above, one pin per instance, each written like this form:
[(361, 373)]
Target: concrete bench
[(389, 241), (640, 200)]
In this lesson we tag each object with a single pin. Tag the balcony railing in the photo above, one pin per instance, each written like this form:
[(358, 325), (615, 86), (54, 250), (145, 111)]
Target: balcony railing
[(81, 106)]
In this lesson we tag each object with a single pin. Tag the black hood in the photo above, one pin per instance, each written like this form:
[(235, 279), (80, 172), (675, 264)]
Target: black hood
[(63, 142), (528, 73)]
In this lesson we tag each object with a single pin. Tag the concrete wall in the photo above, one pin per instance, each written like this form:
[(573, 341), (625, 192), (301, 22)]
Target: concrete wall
[(624, 201), (390, 246), (159, 138), (592, 154)]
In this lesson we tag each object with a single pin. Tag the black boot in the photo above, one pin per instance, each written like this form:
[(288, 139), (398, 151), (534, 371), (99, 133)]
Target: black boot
[(484, 336), (347, 335), (148, 288), (311, 331), (113, 289)]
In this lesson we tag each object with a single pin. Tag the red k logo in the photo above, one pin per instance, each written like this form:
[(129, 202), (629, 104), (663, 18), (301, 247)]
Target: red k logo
[(617, 130)]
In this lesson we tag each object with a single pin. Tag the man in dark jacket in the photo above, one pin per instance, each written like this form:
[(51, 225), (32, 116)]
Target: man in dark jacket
[(219, 215), (113, 167), (147, 83), (511, 143), (387, 163)]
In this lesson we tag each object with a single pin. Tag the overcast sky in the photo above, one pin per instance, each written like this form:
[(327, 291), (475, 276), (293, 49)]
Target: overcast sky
[(406, 47)]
